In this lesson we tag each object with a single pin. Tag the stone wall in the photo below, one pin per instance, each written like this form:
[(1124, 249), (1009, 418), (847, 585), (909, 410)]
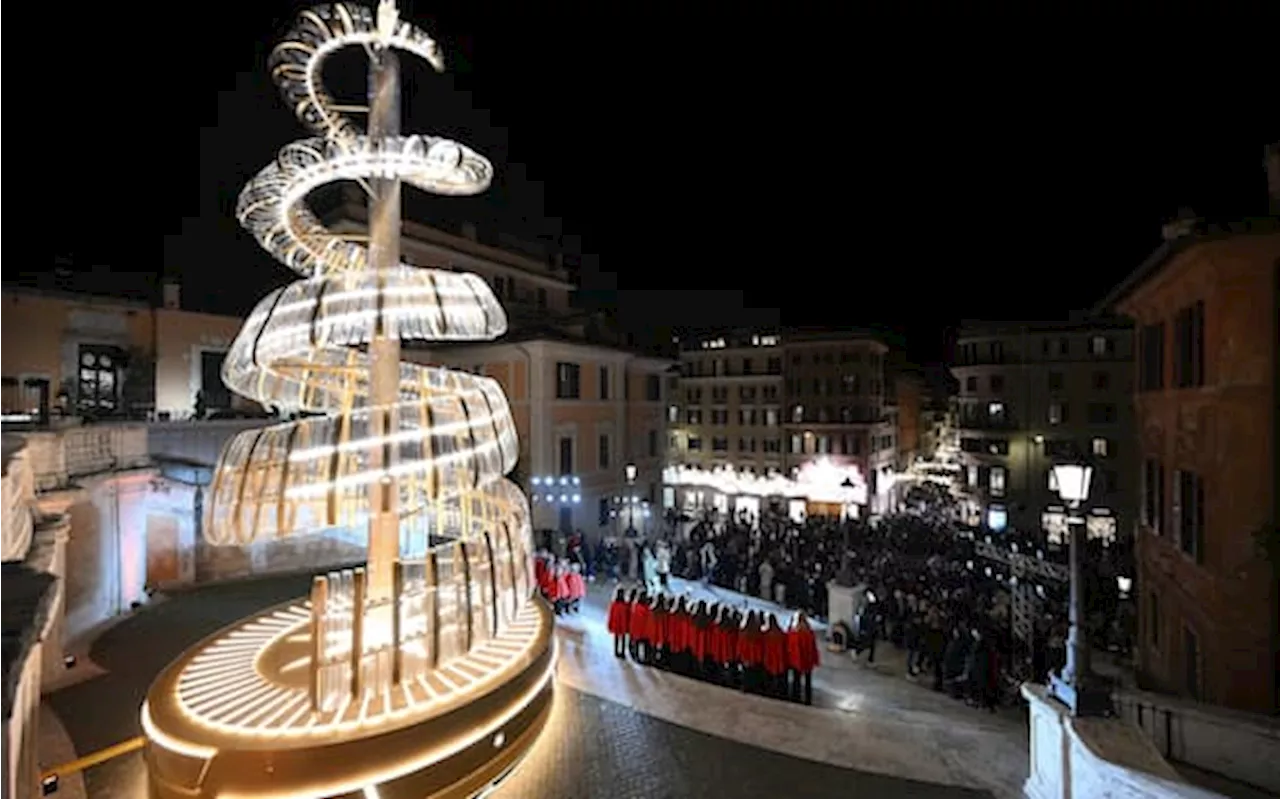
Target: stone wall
[(1241, 746), (303, 553)]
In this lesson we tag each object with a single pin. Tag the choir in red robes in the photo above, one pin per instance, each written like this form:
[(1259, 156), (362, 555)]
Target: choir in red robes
[(751, 652), (562, 595), (775, 656), (802, 659), (576, 586), (659, 629), (619, 621), (638, 629), (700, 640)]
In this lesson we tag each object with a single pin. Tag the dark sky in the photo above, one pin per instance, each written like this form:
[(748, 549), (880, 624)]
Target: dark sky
[(719, 169)]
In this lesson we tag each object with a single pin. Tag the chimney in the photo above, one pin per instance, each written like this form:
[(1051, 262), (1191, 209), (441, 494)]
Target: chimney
[(1271, 158), (1184, 224), (172, 295)]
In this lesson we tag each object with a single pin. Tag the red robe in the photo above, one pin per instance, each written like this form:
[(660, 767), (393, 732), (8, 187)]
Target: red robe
[(562, 587), (619, 617), (775, 651), (701, 641), (638, 622), (540, 571), (678, 629), (728, 647), (750, 648), (577, 585), (658, 628), (802, 650)]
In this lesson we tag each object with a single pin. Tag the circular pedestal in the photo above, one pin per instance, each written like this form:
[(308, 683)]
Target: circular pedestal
[(233, 718)]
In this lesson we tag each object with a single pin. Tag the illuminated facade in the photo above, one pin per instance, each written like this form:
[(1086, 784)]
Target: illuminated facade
[(104, 357), (429, 671), (1206, 305), (1033, 394), (779, 402)]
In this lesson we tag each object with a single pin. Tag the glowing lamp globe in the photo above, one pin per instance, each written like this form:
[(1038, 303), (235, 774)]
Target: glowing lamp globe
[(1073, 481)]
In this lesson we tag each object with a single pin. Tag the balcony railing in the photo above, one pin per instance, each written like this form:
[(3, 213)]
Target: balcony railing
[(57, 457), (19, 496)]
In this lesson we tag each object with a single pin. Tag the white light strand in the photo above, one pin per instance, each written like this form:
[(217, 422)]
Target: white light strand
[(303, 348)]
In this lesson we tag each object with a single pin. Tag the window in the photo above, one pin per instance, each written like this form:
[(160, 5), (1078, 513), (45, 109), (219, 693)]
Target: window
[(99, 388), (1152, 494), (774, 366), (673, 414), (797, 444), (720, 444), (1188, 358), (542, 298), (1064, 347), (1151, 358), (604, 382), (1188, 511), (1056, 381), (720, 394), (695, 443), (1191, 658), (772, 445), (653, 443), (1057, 413), (568, 380), (719, 417), (693, 396), (747, 417), (653, 388), (797, 414), (1101, 381), (1102, 448), (1101, 345), (693, 416), (746, 366), (996, 481), (997, 383), (971, 383), (1102, 413), (997, 518), (604, 451), (1053, 481), (747, 393), (995, 412), (1153, 619), (566, 456)]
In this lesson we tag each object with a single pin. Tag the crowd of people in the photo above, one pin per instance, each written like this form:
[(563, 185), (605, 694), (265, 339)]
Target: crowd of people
[(920, 586)]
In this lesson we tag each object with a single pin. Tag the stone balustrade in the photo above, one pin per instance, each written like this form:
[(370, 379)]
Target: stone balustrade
[(58, 457), (1103, 757), (18, 500), (1240, 746)]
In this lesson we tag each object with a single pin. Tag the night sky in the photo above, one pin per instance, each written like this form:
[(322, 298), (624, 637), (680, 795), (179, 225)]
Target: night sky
[(716, 169)]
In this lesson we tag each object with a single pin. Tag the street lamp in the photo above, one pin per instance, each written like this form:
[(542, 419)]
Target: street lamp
[(1075, 686)]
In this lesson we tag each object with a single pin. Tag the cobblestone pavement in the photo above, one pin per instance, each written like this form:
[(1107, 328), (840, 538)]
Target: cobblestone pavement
[(596, 746)]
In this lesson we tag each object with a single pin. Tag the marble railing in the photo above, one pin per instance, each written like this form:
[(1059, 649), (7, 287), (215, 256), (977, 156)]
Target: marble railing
[(18, 500), (59, 456), (1240, 746), (1103, 757)]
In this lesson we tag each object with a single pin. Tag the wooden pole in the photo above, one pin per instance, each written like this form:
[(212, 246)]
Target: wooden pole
[(319, 601)]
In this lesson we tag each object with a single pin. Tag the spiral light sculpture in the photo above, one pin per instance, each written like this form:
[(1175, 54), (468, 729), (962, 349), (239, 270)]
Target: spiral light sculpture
[(430, 673)]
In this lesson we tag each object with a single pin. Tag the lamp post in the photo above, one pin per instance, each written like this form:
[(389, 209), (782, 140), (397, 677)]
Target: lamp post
[(1075, 686)]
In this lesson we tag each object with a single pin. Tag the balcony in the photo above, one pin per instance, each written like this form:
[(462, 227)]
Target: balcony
[(58, 457)]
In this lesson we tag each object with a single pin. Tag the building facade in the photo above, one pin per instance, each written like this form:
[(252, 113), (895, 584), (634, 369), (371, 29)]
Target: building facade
[(1034, 394), (101, 357), (775, 403), (592, 426), (1207, 308), (728, 411)]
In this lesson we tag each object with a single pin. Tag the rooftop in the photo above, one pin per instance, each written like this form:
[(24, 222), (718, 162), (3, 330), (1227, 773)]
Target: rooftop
[(1198, 232)]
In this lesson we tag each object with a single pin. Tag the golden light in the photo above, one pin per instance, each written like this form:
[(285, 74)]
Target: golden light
[(431, 674)]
